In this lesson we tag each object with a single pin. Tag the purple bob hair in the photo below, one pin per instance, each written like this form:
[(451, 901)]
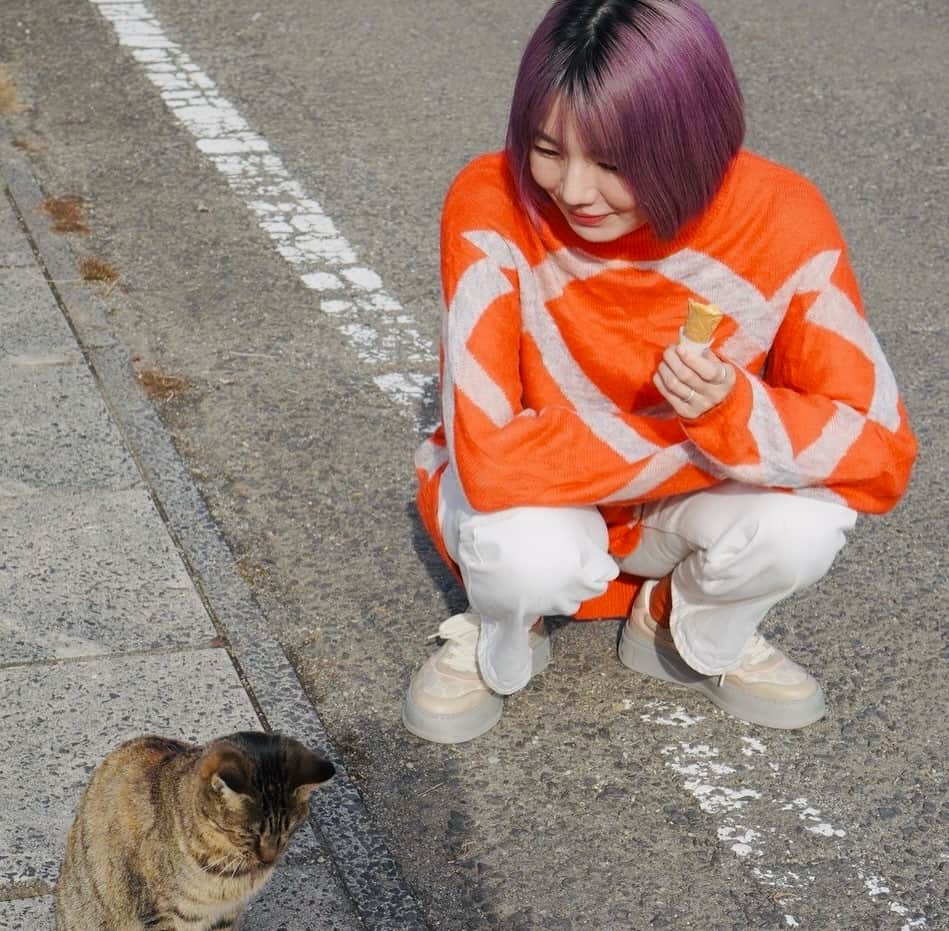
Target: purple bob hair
[(650, 88)]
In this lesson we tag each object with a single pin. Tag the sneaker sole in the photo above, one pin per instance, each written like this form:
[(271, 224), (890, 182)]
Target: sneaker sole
[(459, 728), (639, 654)]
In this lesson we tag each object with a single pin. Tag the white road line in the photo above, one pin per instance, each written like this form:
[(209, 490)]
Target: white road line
[(382, 334), (721, 788)]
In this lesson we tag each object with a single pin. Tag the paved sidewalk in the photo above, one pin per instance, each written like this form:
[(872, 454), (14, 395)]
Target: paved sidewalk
[(121, 611)]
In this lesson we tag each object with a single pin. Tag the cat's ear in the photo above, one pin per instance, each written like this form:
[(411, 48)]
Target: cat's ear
[(225, 770), (308, 770)]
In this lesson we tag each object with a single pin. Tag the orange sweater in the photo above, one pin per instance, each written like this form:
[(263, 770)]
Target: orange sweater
[(549, 345)]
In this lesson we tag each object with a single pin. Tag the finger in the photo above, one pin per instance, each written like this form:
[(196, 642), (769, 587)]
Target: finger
[(664, 390), (674, 400), (688, 369), (718, 373), (708, 367), (684, 385), (679, 365)]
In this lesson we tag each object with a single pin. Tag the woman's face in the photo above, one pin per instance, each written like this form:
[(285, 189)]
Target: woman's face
[(592, 196)]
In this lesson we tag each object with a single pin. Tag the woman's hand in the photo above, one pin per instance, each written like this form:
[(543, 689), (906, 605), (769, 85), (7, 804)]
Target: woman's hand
[(693, 383)]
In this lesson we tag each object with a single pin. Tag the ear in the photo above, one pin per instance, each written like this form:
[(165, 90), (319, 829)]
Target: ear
[(307, 769), (225, 770)]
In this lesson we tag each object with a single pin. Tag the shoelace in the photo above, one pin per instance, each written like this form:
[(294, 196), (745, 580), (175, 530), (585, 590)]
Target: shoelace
[(757, 650), (460, 634)]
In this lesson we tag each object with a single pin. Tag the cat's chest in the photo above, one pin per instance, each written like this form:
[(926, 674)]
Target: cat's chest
[(210, 898)]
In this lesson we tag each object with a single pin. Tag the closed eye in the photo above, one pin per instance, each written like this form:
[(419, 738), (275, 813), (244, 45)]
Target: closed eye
[(607, 167), (545, 151)]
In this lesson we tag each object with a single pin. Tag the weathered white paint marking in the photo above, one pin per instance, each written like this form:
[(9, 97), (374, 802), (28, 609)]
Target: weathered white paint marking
[(739, 840), (322, 281), (813, 816), (786, 880), (721, 789), (876, 885), (703, 772), (753, 746), (382, 334), (674, 718)]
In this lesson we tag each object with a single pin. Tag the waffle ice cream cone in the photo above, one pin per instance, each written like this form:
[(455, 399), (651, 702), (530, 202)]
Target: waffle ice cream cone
[(700, 324)]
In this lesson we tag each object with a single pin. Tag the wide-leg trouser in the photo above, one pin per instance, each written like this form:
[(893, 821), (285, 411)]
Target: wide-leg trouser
[(734, 551)]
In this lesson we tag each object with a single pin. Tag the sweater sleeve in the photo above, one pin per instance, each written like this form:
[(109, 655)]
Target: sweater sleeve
[(584, 450), (825, 414)]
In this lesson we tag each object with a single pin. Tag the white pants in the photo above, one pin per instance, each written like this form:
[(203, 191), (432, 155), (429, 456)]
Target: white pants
[(734, 551)]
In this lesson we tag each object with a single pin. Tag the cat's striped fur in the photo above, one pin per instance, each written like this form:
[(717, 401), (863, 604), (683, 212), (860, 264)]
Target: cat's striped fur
[(175, 837)]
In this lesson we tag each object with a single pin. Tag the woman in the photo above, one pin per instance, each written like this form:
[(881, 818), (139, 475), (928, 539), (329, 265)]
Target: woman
[(587, 463)]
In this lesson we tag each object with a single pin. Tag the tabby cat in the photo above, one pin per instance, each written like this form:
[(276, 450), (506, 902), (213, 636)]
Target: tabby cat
[(175, 837)]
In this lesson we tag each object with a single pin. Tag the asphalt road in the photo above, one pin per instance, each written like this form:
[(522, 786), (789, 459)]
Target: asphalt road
[(602, 801)]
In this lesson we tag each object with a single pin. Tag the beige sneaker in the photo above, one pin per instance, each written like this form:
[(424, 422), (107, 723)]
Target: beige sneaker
[(447, 701), (767, 688)]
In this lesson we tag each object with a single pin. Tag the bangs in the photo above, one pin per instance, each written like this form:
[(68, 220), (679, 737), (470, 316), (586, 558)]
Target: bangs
[(598, 130)]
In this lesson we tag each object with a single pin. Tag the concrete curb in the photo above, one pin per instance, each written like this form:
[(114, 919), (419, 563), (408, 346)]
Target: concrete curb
[(372, 879)]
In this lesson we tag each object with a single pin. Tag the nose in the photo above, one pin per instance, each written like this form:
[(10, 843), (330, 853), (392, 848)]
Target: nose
[(268, 848), (577, 185)]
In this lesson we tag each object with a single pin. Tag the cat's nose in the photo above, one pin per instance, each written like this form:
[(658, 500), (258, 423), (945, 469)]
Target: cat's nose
[(267, 849)]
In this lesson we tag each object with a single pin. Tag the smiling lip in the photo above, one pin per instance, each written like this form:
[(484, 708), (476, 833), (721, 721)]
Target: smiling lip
[(588, 219)]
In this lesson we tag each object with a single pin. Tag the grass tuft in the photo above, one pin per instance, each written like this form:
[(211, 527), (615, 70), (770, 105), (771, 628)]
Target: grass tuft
[(93, 269), (161, 387), (67, 213)]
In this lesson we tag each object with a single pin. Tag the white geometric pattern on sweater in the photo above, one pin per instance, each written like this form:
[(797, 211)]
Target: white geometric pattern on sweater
[(833, 310), (430, 457), (479, 286), (714, 281), (539, 285), (758, 320)]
